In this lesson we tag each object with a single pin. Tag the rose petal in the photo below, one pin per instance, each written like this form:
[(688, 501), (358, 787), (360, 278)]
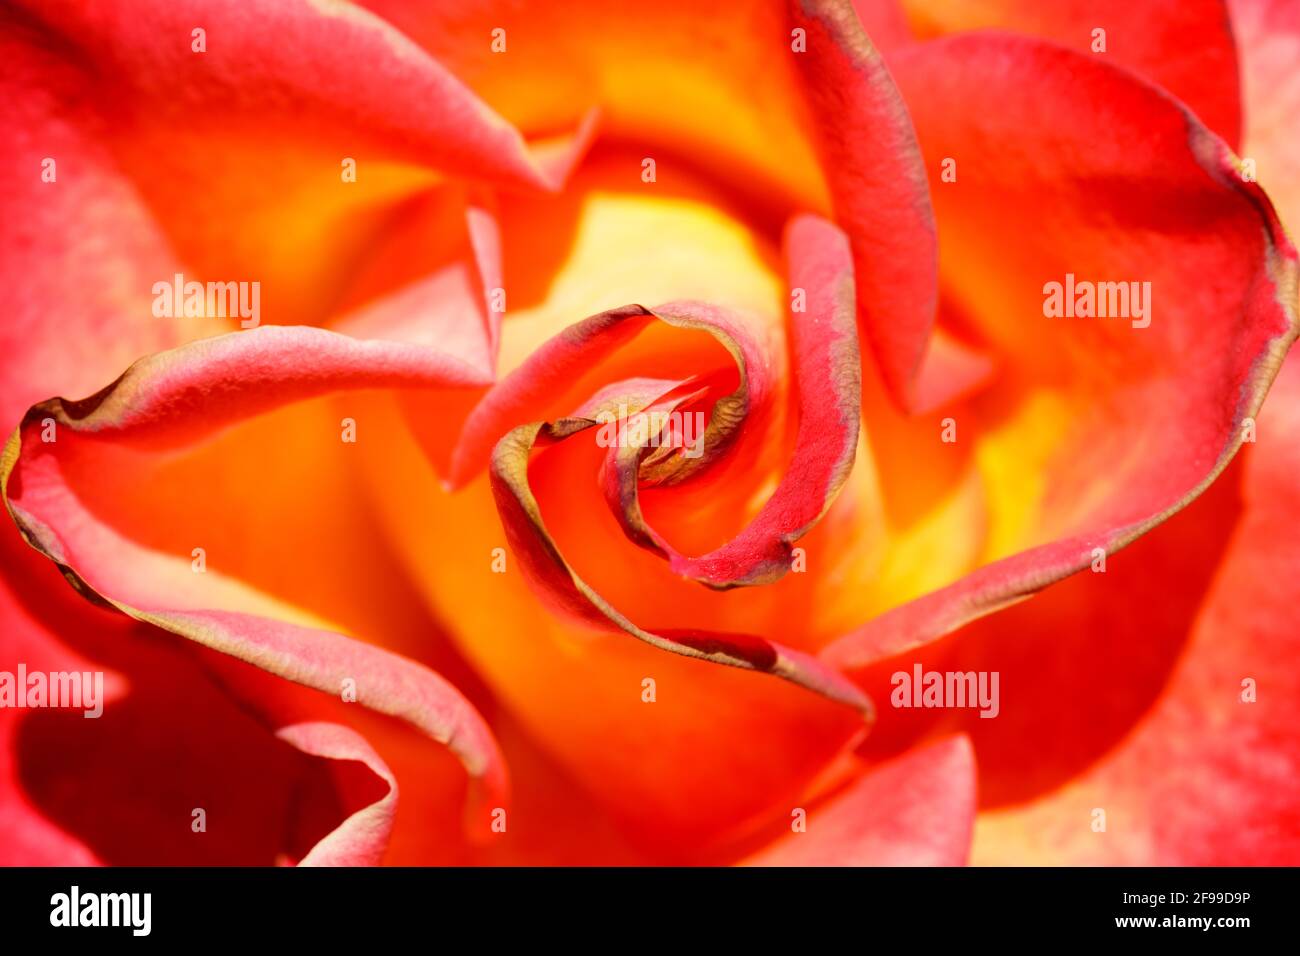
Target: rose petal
[(440, 296), (361, 839), (952, 371), (403, 101), (1204, 777), (315, 155), (1186, 46), (1130, 441), (1062, 703), (789, 105), (87, 222), (573, 687), (828, 384), (1268, 35), (916, 810), (440, 254), (735, 109), (169, 401), (177, 396), (551, 375), (885, 22), (1200, 760), (884, 207), (531, 542), (122, 788)]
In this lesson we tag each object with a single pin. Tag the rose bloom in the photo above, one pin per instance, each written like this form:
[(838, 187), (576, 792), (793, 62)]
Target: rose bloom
[(606, 417)]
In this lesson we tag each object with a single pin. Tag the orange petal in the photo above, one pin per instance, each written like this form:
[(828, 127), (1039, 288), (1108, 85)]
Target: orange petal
[(1189, 749), (168, 402), (1186, 46), (1098, 430), (916, 810)]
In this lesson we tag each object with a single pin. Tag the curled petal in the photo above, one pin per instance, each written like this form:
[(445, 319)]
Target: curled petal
[(177, 396), (878, 188), (258, 54), (258, 147), (122, 783), (70, 210), (361, 839), (170, 400), (547, 568), (829, 385), (553, 372), (793, 104), (1195, 733), (431, 279), (1146, 410)]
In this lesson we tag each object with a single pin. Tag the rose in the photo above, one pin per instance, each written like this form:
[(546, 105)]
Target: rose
[(221, 154)]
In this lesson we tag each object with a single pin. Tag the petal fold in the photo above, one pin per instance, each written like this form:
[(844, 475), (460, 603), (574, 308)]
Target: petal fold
[(1148, 405), (362, 838), (827, 373), (878, 187), (170, 401), (564, 589)]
